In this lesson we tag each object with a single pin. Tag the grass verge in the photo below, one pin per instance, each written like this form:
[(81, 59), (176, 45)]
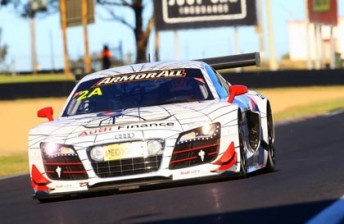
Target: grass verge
[(310, 110), (14, 164)]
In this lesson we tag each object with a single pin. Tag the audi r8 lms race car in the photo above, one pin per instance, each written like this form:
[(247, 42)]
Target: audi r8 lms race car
[(152, 123)]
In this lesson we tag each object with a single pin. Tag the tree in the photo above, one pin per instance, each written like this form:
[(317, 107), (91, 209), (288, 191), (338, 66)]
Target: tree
[(112, 7), (29, 10), (141, 34), (3, 49)]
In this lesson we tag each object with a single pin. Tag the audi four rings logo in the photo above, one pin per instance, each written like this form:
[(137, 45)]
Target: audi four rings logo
[(124, 135)]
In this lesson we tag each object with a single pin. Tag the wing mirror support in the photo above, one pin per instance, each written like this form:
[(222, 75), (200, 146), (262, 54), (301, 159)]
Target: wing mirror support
[(236, 90), (46, 112)]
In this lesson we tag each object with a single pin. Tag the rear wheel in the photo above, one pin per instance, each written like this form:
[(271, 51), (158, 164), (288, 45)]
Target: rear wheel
[(270, 164), (243, 169)]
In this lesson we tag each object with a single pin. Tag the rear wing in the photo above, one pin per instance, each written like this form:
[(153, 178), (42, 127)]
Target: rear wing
[(233, 61), (225, 62)]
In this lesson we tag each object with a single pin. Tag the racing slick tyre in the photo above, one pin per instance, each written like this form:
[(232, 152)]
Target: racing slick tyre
[(243, 169), (270, 164)]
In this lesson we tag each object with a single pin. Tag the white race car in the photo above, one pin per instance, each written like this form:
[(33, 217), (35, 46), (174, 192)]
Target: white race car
[(152, 123)]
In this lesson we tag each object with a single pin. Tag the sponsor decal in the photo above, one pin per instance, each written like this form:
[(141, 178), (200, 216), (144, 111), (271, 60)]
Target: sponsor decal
[(105, 130), (147, 125), (128, 126), (260, 96), (95, 131), (63, 186), (83, 184), (141, 76), (85, 94), (110, 114), (189, 172)]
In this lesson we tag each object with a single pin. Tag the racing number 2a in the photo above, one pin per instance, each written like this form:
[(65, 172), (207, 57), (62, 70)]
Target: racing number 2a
[(82, 95)]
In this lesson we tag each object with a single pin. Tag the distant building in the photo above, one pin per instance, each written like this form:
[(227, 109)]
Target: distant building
[(298, 40)]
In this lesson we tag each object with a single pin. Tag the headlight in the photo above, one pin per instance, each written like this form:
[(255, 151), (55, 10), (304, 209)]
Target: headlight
[(97, 153), (208, 130), (200, 133), (188, 136), (154, 147), (53, 149)]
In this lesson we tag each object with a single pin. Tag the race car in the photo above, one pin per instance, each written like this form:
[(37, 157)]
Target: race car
[(152, 123)]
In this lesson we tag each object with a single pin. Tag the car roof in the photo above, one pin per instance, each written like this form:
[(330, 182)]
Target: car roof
[(144, 67)]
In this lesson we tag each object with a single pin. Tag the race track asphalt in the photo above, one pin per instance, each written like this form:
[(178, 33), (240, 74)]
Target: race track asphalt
[(309, 178)]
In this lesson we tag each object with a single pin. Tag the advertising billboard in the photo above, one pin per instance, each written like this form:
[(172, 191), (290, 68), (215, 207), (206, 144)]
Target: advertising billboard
[(323, 12), (191, 14), (74, 12)]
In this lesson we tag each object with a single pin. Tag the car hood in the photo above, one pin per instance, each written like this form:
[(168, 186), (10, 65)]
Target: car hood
[(136, 123)]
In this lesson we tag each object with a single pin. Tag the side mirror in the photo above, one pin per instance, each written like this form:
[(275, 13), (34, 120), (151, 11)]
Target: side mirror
[(236, 90), (47, 112)]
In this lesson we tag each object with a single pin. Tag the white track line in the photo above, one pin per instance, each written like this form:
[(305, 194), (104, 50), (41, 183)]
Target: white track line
[(334, 214)]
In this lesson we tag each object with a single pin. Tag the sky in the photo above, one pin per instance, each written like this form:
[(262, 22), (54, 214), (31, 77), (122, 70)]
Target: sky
[(193, 44)]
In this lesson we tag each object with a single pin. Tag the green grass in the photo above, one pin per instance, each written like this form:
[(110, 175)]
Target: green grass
[(5, 79), (14, 164), (18, 163), (310, 110)]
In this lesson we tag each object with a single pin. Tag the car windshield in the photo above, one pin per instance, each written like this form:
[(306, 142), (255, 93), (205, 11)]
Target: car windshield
[(119, 92)]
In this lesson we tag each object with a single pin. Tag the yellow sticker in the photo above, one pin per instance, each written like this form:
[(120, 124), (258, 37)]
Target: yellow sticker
[(86, 94), (124, 151), (97, 91), (82, 95)]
